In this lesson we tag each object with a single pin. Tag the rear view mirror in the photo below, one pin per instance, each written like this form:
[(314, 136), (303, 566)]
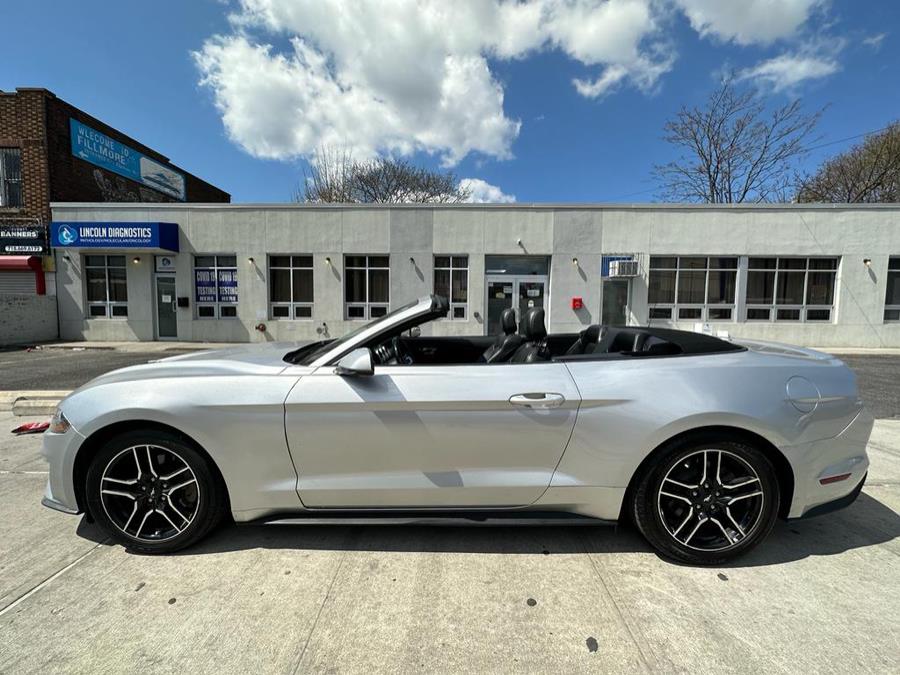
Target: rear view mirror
[(357, 362)]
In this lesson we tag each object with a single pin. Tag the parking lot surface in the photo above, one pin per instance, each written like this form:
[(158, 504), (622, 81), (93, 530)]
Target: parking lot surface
[(821, 595)]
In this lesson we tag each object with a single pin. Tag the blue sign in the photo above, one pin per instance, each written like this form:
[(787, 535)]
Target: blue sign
[(101, 150), (205, 285), (114, 235), (228, 286)]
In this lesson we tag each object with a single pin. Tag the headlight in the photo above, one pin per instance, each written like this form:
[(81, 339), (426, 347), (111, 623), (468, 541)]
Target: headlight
[(59, 424)]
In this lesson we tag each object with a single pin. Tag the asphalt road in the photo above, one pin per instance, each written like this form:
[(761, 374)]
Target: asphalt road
[(56, 369)]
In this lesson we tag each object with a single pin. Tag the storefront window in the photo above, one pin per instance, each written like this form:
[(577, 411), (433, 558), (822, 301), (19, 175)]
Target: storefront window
[(290, 286), (451, 280), (367, 286), (106, 286), (692, 288), (892, 298), (10, 177), (216, 286), (790, 289)]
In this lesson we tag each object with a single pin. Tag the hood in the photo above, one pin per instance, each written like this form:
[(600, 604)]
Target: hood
[(262, 359)]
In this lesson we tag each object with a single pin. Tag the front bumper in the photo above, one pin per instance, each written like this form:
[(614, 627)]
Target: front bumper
[(833, 457), (59, 450)]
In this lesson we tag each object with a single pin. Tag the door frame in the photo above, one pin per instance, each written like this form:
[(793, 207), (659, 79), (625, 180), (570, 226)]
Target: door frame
[(156, 278), (515, 279)]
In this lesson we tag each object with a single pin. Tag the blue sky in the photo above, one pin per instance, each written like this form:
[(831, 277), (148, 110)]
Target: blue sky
[(544, 101)]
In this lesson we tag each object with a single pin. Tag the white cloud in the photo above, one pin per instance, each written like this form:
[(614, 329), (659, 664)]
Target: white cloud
[(409, 75), (747, 21), (786, 71), (874, 41), (482, 192)]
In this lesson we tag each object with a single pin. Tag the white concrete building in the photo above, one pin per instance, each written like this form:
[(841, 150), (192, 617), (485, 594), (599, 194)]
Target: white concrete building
[(807, 274)]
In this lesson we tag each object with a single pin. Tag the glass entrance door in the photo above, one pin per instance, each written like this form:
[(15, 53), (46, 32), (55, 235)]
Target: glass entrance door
[(166, 322), (519, 292), (614, 302)]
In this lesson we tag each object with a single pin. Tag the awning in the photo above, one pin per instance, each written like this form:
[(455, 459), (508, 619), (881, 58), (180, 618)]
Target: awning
[(21, 263), (114, 235)]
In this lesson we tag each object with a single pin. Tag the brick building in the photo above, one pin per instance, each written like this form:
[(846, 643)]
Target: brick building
[(50, 151)]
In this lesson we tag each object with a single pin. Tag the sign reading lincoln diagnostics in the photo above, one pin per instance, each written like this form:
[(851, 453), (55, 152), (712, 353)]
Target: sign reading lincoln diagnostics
[(99, 149), (114, 235)]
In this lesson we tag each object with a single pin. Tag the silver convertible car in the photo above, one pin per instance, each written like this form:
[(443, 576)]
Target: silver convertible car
[(702, 442)]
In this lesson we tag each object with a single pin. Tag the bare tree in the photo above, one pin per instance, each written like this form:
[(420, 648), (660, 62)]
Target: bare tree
[(334, 176), (734, 149), (868, 172)]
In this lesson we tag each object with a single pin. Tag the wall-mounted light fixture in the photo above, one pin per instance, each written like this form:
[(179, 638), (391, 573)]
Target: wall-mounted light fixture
[(136, 260), (519, 241), (328, 261), (867, 262), (251, 261), (575, 262), (412, 261)]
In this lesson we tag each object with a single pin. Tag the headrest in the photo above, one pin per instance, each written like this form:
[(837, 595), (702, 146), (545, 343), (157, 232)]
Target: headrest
[(508, 321), (532, 326), (590, 335)]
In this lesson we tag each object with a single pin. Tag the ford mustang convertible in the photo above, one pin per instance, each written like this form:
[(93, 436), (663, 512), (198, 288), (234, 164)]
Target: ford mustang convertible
[(701, 442)]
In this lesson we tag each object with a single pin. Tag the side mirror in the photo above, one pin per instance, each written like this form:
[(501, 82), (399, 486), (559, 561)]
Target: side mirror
[(357, 362), (415, 332)]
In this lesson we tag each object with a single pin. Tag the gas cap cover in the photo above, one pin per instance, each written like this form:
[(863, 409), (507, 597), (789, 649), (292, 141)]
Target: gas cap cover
[(802, 394)]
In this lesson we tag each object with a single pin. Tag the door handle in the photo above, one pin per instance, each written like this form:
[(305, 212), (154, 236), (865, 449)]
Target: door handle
[(538, 401)]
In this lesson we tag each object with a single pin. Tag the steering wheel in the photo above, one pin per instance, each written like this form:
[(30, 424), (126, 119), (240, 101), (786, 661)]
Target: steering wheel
[(400, 352)]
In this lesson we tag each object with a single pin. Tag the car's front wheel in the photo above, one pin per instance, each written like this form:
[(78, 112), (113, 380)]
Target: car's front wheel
[(707, 501), (153, 492)]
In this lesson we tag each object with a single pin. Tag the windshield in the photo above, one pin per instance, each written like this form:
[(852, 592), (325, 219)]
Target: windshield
[(305, 356)]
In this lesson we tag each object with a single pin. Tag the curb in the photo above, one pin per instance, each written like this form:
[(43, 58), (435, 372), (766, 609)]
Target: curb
[(23, 403)]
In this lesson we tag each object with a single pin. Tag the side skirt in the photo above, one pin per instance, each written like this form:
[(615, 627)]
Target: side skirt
[(459, 518)]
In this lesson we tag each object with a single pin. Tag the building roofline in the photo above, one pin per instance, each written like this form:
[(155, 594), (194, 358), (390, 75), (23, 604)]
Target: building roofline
[(517, 206)]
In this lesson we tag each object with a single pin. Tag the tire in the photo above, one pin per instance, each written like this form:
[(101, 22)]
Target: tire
[(153, 492), (711, 521)]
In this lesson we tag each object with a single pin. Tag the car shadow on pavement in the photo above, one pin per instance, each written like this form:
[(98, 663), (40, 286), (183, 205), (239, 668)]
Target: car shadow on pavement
[(866, 523)]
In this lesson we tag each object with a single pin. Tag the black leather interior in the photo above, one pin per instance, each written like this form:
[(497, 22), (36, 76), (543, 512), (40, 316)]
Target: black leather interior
[(534, 333), (586, 342), (506, 344)]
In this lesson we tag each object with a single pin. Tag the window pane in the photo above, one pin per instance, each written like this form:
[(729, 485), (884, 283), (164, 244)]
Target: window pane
[(792, 263), (228, 311), (355, 261), (302, 261), (95, 260), (661, 287), (818, 315), (118, 287), (892, 315), (379, 261), (820, 288), (120, 310), (281, 311), (204, 261), (460, 286), (355, 285), (894, 264), (227, 260), (823, 263), (115, 260), (357, 312), (206, 311), (279, 285), (459, 312), (302, 312), (721, 288), (379, 290), (691, 287), (442, 261), (719, 313), (689, 312), (790, 288), (460, 261), (761, 263), (660, 312), (787, 314), (375, 312), (893, 289), (662, 262), (760, 288), (97, 310), (442, 283), (693, 263), (757, 314), (303, 285), (723, 263), (280, 261), (96, 284)]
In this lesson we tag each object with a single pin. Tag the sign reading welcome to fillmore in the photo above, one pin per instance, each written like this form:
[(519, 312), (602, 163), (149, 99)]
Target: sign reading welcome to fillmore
[(114, 235), (99, 149)]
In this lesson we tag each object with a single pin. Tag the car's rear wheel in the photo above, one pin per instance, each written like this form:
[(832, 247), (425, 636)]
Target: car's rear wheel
[(153, 491), (707, 501)]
